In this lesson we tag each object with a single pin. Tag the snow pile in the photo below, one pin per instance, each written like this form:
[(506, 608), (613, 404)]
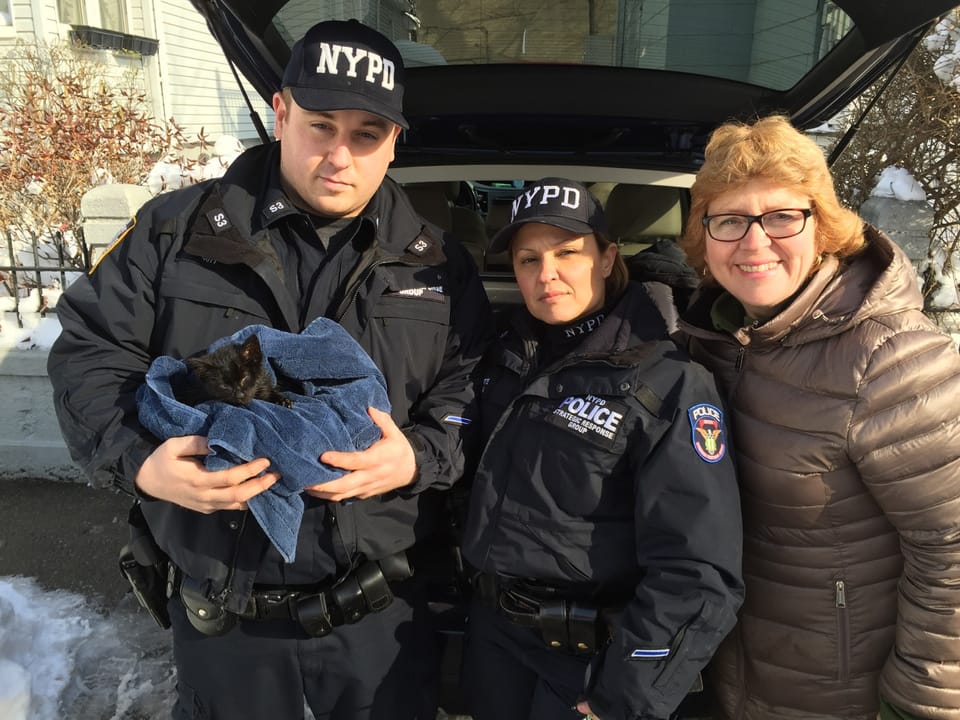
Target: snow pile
[(898, 183), (170, 173), (947, 295), (60, 657), (39, 329), (944, 42), (35, 647)]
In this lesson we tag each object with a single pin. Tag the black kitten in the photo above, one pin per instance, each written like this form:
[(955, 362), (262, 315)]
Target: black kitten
[(233, 373)]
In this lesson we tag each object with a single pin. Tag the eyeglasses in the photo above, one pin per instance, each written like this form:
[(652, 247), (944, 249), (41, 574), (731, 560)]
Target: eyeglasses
[(777, 224)]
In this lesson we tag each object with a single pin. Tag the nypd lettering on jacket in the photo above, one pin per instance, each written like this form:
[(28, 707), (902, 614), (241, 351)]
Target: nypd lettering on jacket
[(706, 422), (336, 59), (569, 197), (590, 417), (587, 326)]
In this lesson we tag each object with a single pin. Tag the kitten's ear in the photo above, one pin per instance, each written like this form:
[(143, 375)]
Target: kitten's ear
[(197, 363), (250, 350)]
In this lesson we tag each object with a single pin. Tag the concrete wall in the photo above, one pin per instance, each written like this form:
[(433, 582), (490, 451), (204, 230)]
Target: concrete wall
[(30, 443)]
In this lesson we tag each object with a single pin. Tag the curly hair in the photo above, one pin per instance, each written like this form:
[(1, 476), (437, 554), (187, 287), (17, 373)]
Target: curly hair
[(771, 149)]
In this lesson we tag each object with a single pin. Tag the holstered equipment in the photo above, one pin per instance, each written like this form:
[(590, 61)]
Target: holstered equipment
[(145, 567), (576, 626), (564, 618), (318, 610)]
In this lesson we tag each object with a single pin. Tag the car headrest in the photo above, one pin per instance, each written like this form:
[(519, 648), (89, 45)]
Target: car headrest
[(638, 213), (432, 201)]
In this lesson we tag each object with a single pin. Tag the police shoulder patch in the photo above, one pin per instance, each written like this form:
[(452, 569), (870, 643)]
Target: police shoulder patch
[(118, 238), (707, 432)]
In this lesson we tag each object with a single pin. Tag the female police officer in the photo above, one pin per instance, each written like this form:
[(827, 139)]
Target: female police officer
[(603, 524)]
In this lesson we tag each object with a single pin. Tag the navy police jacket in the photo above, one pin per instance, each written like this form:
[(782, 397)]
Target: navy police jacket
[(609, 470), (199, 264)]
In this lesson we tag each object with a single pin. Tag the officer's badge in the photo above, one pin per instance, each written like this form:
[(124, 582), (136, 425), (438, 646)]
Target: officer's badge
[(707, 431)]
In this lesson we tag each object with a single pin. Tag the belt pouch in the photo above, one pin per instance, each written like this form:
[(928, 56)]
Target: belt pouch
[(349, 599), (582, 626), (552, 619), (314, 615), (396, 567), (205, 615), (373, 584)]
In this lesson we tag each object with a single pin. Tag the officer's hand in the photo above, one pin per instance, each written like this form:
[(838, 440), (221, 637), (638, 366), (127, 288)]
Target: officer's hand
[(174, 472), (386, 465), (583, 707)]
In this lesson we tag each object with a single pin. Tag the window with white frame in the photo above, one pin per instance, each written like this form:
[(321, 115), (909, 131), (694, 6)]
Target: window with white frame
[(106, 14), (6, 16)]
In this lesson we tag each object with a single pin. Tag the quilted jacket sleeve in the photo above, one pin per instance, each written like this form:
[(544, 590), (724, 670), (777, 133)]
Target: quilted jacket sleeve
[(905, 439)]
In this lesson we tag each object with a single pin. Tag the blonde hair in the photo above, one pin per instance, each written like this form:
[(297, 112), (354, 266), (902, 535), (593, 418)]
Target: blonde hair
[(771, 149)]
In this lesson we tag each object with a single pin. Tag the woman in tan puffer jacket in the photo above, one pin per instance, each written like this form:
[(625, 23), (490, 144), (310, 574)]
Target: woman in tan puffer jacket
[(845, 404)]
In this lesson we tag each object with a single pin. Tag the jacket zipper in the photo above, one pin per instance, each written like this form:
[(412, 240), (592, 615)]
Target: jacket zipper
[(355, 290), (366, 272), (843, 631), (221, 597)]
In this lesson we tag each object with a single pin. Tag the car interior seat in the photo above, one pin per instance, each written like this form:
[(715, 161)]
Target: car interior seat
[(435, 202), (639, 215), (498, 215), (601, 191)]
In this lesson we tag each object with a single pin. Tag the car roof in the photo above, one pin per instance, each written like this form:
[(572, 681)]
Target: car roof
[(595, 82)]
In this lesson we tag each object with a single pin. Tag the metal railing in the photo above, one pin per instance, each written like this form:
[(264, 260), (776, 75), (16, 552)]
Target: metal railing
[(21, 278)]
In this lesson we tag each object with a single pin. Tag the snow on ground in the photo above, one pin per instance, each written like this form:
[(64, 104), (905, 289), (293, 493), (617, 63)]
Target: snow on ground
[(61, 657), (900, 184)]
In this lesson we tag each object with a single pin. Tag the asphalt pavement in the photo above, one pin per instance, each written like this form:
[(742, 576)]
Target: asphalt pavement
[(66, 535)]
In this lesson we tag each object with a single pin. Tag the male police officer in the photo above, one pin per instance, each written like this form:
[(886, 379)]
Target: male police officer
[(302, 228)]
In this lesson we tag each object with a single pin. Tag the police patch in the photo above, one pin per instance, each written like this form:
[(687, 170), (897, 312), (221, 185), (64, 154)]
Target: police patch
[(118, 238), (589, 417), (706, 424)]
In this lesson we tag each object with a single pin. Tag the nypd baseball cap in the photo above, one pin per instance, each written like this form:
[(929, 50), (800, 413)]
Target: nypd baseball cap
[(345, 65), (553, 201)]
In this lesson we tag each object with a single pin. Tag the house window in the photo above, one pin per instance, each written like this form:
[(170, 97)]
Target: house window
[(6, 17), (113, 15), (106, 14)]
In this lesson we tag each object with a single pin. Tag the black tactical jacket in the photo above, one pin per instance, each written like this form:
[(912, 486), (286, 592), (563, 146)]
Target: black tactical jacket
[(597, 477), (198, 264)]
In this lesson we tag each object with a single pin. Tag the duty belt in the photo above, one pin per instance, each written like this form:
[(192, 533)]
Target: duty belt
[(318, 610), (564, 623)]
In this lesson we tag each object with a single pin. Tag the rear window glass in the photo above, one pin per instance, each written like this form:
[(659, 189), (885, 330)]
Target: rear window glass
[(770, 43)]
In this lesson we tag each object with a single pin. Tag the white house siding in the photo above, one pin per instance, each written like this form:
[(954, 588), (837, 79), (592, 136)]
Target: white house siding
[(24, 25), (38, 22), (199, 90)]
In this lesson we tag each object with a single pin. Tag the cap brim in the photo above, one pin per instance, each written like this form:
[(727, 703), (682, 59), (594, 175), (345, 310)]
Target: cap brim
[(501, 240), (319, 100)]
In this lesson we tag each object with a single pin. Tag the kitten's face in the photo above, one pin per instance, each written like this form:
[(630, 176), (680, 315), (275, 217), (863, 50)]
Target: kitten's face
[(232, 373)]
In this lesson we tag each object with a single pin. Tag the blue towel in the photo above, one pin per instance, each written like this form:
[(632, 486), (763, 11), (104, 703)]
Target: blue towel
[(340, 383)]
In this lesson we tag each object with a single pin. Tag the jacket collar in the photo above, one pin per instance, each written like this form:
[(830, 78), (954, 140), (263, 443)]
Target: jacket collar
[(633, 320), (879, 279), (256, 201)]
